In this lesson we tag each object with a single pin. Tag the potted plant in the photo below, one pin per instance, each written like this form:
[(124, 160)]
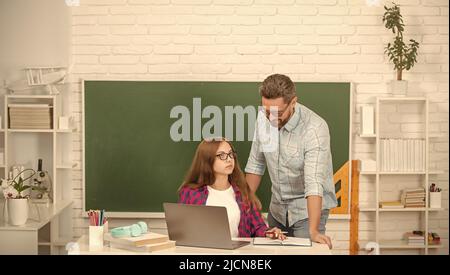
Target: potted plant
[(16, 199), (402, 55)]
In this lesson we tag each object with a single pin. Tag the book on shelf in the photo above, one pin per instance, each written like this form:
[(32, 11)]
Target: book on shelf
[(408, 156), (145, 239), (413, 197), (415, 200), (391, 155), (405, 155), (417, 154), (402, 155), (30, 116), (415, 235), (415, 238), (414, 190), (391, 205)]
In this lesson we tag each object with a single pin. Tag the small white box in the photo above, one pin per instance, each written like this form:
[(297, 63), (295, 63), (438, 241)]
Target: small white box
[(367, 120), (435, 199), (63, 123), (368, 165), (96, 237)]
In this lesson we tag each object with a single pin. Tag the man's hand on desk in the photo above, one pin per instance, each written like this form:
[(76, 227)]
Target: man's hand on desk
[(320, 238), (275, 233)]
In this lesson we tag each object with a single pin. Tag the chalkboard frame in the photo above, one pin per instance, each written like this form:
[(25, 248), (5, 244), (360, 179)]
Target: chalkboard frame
[(161, 214)]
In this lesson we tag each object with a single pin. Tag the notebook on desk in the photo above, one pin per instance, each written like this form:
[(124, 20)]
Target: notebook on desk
[(290, 241)]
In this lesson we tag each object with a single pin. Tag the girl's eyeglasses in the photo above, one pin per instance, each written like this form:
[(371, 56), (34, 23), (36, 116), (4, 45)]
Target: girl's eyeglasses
[(225, 156)]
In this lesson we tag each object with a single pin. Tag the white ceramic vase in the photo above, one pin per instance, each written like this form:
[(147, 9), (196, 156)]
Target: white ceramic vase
[(17, 211)]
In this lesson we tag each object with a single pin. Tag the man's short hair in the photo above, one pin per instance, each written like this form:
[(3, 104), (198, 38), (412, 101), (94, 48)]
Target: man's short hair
[(276, 86)]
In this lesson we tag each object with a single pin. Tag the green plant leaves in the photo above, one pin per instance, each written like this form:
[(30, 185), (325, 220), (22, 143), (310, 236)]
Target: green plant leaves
[(403, 56)]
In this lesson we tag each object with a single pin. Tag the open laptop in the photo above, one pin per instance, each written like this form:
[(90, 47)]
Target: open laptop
[(200, 226)]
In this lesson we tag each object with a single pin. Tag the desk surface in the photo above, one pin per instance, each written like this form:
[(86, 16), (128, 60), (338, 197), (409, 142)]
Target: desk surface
[(82, 247)]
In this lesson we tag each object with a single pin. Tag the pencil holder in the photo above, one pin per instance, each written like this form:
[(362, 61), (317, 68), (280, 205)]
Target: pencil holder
[(96, 236), (435, 199)]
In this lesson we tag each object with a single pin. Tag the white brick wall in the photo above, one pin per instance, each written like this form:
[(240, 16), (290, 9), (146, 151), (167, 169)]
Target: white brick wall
[(326, 40)]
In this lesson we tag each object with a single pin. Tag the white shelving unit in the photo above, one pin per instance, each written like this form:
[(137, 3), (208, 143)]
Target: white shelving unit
[(50, 233), (378, 176)]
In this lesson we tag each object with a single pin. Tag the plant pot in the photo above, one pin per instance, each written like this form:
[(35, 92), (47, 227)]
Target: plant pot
[(17, 211), (399, 87)]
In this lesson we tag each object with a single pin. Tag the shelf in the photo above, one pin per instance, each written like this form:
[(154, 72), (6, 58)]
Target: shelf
[(403, 173), (394, 99), (367, 135), (47, 212), (40, 131), (65, 130), (66, 166), (433, 172), (410, 173), (368, 173), (373, 209), (399, 244), (31, 96), (403, 244), (30, 130), (406, 209), (50, 224), (367, 209)]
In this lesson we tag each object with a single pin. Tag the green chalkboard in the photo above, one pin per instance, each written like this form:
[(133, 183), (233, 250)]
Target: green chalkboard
[(133, 165)]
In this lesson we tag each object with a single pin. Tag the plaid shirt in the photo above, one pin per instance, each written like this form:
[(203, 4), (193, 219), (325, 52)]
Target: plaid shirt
[(299, 166), (251, 223)]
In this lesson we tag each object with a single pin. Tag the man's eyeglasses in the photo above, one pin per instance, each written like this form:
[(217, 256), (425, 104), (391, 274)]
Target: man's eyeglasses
[(274, 112), (225, 156)]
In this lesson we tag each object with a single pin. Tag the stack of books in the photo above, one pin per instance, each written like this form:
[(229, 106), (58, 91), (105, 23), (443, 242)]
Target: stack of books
[(30, 116), (415, 238), (414, 197), (402, 155), (391, 205), (148, 242)]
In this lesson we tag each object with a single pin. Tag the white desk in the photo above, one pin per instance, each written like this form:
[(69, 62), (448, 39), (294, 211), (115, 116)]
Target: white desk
[(30, 237), (82, 247)]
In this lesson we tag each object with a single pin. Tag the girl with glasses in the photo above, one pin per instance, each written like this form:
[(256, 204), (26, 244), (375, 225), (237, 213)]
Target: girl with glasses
[(215, 179)]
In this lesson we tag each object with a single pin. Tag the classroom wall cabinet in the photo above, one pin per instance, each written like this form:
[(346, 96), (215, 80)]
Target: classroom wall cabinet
[(389, 179), (49, 226)]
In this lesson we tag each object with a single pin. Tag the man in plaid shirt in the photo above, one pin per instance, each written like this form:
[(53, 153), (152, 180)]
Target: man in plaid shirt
[(298, 159)]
